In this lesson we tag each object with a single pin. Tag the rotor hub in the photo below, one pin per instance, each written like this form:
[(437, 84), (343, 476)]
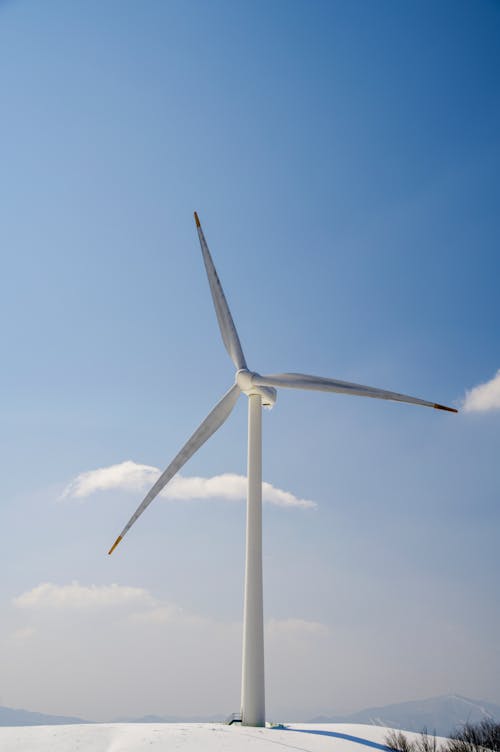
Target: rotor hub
[(245, 381)]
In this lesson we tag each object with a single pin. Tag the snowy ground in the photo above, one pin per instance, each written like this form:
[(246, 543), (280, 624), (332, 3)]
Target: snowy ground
[(193, 737)]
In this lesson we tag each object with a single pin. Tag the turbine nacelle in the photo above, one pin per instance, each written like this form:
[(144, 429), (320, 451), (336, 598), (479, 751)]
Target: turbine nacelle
[(245, 381)]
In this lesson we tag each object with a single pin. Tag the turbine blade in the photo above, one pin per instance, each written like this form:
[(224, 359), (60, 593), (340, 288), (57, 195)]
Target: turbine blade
[(226, 323), (317, 383), (212, 422)]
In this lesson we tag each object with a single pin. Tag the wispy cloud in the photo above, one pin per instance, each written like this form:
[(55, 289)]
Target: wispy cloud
[(129, 646), (131, 476), (76, 596), (161, 614), (138, 604), (297, 627), (484, 396)]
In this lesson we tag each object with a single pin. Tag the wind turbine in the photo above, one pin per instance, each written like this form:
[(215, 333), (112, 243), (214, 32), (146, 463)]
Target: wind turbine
[(261, 391)]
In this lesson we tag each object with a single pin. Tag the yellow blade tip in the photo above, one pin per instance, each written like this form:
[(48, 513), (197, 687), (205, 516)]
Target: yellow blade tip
[(443, 407), (114, 545), (197, 220)]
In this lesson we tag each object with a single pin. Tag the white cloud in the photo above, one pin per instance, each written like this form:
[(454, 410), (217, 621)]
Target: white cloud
[(131, 476), (76, 596), (484, 396), (231, 487)]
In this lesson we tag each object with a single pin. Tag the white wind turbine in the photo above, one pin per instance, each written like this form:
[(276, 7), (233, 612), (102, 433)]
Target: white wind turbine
[(260, 391)]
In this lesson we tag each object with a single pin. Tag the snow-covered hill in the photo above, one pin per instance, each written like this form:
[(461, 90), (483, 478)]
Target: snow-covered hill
[(441, 715), (195, 737)]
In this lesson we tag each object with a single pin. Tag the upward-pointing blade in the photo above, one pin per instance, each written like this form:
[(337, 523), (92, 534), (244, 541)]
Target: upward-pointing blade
[(226, 323), (320, 384), (212, 422)]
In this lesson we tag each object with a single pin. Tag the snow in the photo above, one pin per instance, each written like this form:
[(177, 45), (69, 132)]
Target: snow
[(193, 737)]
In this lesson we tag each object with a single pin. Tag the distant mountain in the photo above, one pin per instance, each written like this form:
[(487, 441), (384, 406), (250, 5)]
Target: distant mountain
[(17, 717), (438, 714), (172, 719), (441, 715)]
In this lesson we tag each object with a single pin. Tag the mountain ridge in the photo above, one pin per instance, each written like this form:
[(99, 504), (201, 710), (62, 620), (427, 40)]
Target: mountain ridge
[(440, 715), (21, 717)]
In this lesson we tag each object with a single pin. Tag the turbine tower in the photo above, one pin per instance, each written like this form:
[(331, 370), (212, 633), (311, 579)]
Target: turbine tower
[(261, 391)]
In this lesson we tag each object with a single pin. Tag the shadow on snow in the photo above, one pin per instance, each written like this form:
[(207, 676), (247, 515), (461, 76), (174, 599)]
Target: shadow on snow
[(339, 735)]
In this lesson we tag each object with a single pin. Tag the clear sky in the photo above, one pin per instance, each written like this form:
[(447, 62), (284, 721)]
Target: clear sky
[(344, 159)]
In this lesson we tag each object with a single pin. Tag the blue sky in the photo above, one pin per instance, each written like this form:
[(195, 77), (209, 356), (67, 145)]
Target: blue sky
[(344, 161)]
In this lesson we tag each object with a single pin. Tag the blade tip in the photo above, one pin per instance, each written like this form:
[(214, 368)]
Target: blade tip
[(120, 537), (443, 407), (198, 224)]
